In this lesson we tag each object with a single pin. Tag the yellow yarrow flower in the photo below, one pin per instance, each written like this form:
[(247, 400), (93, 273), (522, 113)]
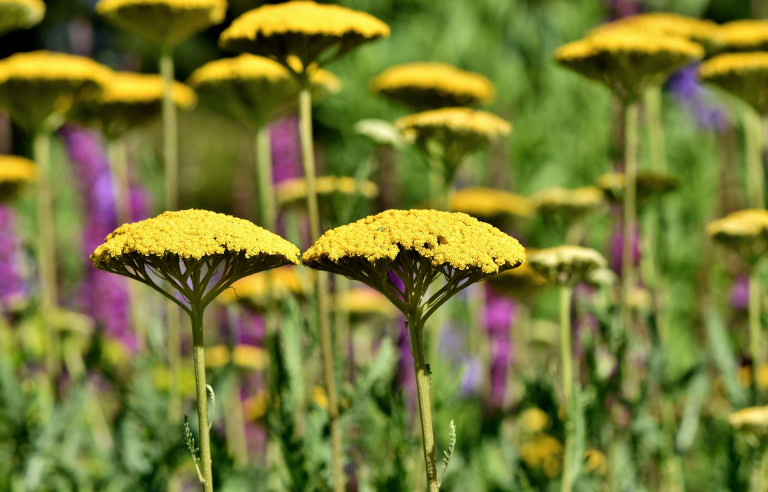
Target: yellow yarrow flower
[(744, 35), (521, 283), (745, 231), (750, 419), (203, 241), (35, 85), (130, 100), (544, 452), (490, 203), (628, 61), (567, 204), (363, 301), (701, 31), (20, 14), (418, 246), (534, 420), (256, 406), (567, 264), (745, 75), (242, 356), (649, 184), (595, 461), (255, 89), (283, 282), (431, 85), (165, 22), (15, 173), (306, 30), (294, 191)]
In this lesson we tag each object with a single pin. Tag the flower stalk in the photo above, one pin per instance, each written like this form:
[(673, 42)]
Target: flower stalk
[(198, 353), (755, 342), (630, 210), (566, 357), (753, 142)]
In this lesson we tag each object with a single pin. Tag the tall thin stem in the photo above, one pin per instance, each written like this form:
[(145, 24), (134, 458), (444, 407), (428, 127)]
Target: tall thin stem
[(267, 204), (755, 342), (198, 354), (46, 247), (321, 279), (416, 331), (171, 170), (630, 211), (566, 357), (753, 142)]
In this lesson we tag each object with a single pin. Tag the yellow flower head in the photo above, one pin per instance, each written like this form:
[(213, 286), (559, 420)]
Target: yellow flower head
[(256, 406), (544, 453), (648, 183), (204, 242), (751, 419), (745, 231), (15, 173), (567, 204), (306, 30), (628, 61), (490, 203), (363, 301), (448, 134), (257, 290), (246, 357), (294, 191), (417, 246), (165, 22), (431, 85), (35, 85), (521, 283), (130, 100), (255, 89), (701, 31), (534, 420), (566, 265), (595, 461), (745, 75), (744, 35), (20, 14)]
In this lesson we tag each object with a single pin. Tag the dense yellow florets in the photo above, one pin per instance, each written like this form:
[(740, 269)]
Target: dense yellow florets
[(744, 75), (302, 29), (192, 234), (295, 190), (15, 169), (20, 14), (744, 35), (426, 85), (242, 356), (443, 238), (34, 85), (556, 198), (259, 288), (489, 203), (629, 60), (543, 452), (567, 264), (163, 21), (458, 121), (702, 31), (647, 183), (738, 225), (753, 419)]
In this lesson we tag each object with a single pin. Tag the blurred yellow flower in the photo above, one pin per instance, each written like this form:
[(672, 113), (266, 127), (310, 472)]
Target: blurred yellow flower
[(15, 173), (567, 204), (745, 376), (534, 420), (364, 301), (20, 14), (305, 30), (490, 203), (595, 461), (745, 75), (256, 406), (648, 184), (744, 35), (165, 22), (294, 191), (431, 85), (750, 419), (521, 283), (447, 124), (628, 61), (35, 85), (544, 452), (701, 31), (566, 265), (320, 397), (745, 231), (283, 282), (255, 89)]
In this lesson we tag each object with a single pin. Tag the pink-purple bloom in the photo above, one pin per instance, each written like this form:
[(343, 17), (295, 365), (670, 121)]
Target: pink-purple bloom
[(13, 286), (500, 314)]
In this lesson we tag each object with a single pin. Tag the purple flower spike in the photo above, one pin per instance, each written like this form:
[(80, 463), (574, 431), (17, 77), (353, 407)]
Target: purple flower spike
[(617, 246), (688, 91), (286, 150), (740, 292), (13, 286), (500, 314)]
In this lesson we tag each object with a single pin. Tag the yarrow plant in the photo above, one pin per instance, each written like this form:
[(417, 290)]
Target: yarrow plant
[(401, 253), (190, 257)]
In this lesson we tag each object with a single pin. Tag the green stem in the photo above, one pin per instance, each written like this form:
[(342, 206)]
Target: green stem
[(652, 103), (267, 204), (46, 248), (755, 342), (566, 357), (198, 353), (323, 300), (416, 329), (170, 132), (630, 211), (762, 484), (753, 142)]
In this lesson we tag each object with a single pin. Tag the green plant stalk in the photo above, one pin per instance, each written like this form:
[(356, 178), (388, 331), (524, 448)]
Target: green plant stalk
[(566, 358), (416, 331), (46, 249), (629, 212), (753, 143), (198, 353), (118, 162), (171, 171), (755, 342), (762, 484), (321, 279), (267, 203)]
